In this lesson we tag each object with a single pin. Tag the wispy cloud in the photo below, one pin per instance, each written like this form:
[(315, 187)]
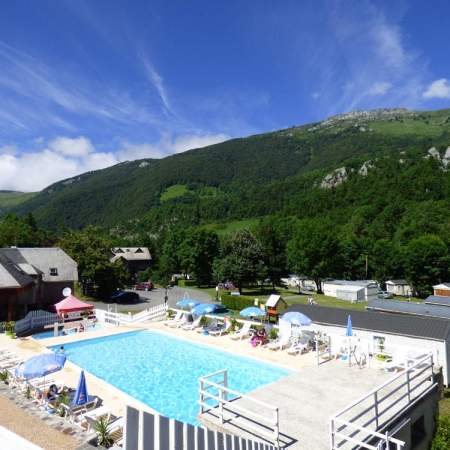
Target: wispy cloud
[(158, 83)]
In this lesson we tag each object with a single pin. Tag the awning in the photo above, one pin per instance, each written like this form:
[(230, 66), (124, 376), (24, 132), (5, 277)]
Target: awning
[(71, 304)]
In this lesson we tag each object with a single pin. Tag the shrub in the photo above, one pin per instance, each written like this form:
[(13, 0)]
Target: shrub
[(273, 333), (187, 283), (4, 375), (237, 302), (441, 440)]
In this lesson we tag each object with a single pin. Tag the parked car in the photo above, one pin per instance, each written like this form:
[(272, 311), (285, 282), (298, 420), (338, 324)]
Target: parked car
[(125, 297), (384, 294), (144, 286)]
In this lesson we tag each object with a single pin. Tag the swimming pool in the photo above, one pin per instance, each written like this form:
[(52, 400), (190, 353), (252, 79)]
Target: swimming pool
[(50, 333), (162, 371)]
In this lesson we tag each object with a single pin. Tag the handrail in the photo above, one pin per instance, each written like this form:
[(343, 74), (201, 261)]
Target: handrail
[(386, 383), (412, 378), (225, 407)]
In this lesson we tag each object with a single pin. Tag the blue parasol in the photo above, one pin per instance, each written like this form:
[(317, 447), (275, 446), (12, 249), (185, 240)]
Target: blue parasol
[(349, 331), (252, 311), (296, 318), (187, 303), (81, 394), (41, 365), (205, 308)]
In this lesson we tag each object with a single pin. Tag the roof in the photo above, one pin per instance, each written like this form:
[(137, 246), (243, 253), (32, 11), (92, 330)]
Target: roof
[(131, 254), (11, 276), (398, 282), (350, 288), (438, 300), (273, 300), (33, 261), (442, 286), (362, 283), (413, 326), (70, 304), (410, 308)]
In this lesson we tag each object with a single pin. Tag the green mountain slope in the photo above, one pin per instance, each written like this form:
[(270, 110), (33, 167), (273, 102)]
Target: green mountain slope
[(10, 199), (283, 171)]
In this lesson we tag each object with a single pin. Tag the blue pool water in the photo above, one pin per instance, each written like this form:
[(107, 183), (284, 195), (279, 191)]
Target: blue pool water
[(50, 333), (162, 371)]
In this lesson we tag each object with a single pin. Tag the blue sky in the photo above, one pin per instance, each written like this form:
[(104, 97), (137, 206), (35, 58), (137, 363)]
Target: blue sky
[(87, 84)]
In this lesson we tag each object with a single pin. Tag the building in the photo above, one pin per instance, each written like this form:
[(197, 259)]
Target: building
[(33, 277), (410, 308), (442, 290), (398, 287), (275, 305), (352, 291), (135, 259), (393, 331)]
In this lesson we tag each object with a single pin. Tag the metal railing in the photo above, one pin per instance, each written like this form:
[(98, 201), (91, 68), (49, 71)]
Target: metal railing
[(323, 349), (115, 318), (359, 424), (221, 401)]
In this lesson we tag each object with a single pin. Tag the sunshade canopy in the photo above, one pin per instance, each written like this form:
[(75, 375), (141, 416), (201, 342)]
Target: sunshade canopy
[(252, 311), (41, 365), (187, 303), (296, 318), (71, 304), (81, 394)]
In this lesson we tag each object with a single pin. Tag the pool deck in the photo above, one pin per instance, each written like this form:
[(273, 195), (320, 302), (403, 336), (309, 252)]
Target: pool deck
[(306, 399)]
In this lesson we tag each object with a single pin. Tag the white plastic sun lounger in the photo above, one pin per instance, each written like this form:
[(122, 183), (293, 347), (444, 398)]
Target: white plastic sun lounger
[(176, 319), (299, 346), (193, 325), (283, 342), (9, 363), (221, 331), (243, 333), (90, 417)]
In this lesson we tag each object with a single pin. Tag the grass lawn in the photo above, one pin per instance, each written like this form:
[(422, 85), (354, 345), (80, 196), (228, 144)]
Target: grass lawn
[(225, 228), (444, 404), (177, 190), (292, 297)]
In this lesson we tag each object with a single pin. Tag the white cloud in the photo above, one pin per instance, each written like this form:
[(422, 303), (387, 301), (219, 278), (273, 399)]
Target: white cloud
[(80, 146), (379, 88), (438, 89), (158, 83), (65, 157)]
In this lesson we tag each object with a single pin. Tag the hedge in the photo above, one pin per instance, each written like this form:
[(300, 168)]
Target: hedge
[(187, 283), (237, 302)]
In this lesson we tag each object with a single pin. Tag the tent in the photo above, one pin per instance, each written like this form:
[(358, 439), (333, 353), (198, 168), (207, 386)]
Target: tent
[(72, 304)]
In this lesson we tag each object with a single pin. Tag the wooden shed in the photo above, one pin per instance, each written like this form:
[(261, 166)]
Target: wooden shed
[(442, 290), (275, 306)]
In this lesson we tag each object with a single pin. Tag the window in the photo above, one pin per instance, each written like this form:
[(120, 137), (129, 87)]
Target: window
[(53, 271), (418, 432)]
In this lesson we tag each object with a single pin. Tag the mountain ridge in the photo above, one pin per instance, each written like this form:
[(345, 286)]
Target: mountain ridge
[(224, 174)]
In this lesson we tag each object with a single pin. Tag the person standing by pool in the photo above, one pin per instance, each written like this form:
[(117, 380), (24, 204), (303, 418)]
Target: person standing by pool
[(61, 349)]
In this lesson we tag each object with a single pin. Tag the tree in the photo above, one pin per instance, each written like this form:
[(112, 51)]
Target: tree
[(242, 260), (18, 232), (314, 250), (197, 253), (170, 260), (92, 251), (274, 234), (427, 261)]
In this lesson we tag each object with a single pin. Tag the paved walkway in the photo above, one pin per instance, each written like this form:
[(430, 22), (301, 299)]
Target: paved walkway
[(156, 297)]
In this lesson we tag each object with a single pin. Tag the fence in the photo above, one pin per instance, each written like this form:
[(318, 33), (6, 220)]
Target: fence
[(217, 399), (359, 424), (35, 320), (115, 318), (323, 349), (147, 431)]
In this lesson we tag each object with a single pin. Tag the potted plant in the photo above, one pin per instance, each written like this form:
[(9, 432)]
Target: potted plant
[(4, 376), (104, 438), (63, 399)]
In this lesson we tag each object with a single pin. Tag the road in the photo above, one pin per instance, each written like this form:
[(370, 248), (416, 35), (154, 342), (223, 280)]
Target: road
[(156, 297)]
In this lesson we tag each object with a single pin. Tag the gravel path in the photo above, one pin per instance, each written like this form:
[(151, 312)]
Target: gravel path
[(33, 429)]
